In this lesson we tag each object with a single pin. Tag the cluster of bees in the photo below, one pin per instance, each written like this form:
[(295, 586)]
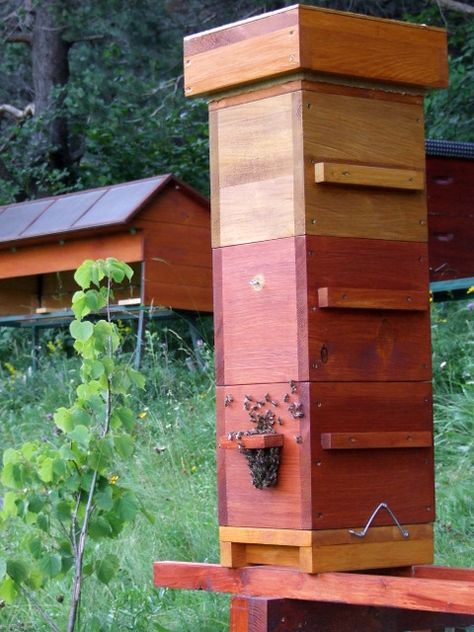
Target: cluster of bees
[(264, 462)]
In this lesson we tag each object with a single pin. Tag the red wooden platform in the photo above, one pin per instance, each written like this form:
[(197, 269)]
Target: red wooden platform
[(275, 599)]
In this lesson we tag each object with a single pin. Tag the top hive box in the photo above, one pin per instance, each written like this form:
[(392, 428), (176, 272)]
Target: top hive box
[(302, 39)]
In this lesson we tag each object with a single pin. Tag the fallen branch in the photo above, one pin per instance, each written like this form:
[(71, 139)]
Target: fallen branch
[(16, 113)]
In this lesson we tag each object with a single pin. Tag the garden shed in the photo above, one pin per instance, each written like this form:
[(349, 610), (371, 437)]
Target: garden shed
[(450, 198), (159, 225)]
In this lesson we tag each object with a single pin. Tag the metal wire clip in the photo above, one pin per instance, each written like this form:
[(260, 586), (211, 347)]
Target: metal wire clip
[(363, 533)]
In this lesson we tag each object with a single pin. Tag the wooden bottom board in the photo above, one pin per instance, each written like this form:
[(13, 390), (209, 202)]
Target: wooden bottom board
[(326, 551)]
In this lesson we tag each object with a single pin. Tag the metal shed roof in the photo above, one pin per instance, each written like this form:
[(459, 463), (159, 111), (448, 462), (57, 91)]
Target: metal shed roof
[(95, 208), (450, 149)]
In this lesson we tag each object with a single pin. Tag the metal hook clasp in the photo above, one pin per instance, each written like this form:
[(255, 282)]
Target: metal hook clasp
[(363, 533)]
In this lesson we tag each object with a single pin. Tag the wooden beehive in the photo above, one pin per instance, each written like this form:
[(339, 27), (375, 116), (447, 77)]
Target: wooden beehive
[(319, 232), (159, 225)]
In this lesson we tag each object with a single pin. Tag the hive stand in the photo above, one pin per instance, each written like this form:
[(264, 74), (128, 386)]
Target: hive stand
[(319, 232)]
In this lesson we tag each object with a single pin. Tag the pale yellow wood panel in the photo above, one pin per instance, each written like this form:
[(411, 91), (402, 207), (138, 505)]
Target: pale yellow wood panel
[(255, 140), (255, 211), (354, 129), (361, 175), (360, 556), (258, 180), (307, 538), (274, 555), (281, 537), (373, 214)]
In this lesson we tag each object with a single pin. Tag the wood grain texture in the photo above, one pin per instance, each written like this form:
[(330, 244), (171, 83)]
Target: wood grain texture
[(251, 320), (262, 164), (251, 442), (281, 615), (307, 538), (375, 440), (317, 40), (255, 171), (307, 342), (362, 298), (362, 175), (286, 505), (431, 595), (57, 257), (221, 101), (329, 489)]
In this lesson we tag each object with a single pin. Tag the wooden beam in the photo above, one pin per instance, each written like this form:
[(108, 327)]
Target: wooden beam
[(367, 176), (432, 595), (368, 298), (68, 254), (252, 442), (375, 440)]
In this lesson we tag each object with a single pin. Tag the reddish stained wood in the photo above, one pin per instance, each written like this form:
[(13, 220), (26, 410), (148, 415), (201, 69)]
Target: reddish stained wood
[(251, 442), (174, 207), (330, 489), (375, 440), (281, 615), (287, 505), (361, 298), (431, 595), (450, 193), (273, 331)]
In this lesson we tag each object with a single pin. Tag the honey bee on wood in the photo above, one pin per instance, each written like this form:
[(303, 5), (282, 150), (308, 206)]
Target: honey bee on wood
[(261, 402), (286, 398), (228, 400), (248, 398), (296, 410), (246, 405), (273, 402), (267, 397), (280, 421), (293, 386)]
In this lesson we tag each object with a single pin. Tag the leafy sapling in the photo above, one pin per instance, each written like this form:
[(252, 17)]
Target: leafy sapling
[(67, 490)]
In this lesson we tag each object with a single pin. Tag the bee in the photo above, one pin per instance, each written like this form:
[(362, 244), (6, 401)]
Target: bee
[(248, 398), (296, 410), (286, 398), (261, 402), (228, 400), (267, 397), (280, 421), (293, 386), (273, 402)]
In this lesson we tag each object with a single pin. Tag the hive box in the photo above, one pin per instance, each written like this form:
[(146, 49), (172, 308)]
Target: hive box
[(324, 420)]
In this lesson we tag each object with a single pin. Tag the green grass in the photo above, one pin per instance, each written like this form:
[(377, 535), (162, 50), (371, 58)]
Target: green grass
[(174, 472)]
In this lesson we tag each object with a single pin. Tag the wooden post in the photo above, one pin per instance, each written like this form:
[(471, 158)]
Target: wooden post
[(319, 232)]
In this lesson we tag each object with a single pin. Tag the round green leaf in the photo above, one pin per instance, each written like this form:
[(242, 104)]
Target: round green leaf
[(80, 434), (50, 564), (17, 570), (81, 330), (106, 568)]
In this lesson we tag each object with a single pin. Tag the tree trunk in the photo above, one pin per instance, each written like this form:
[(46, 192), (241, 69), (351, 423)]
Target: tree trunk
[(50, 71)]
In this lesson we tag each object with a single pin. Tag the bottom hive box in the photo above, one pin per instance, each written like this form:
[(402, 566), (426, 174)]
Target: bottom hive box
[(309, 463), (323, 551)]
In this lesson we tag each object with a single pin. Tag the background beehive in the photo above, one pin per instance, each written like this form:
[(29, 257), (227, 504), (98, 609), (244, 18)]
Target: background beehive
[(321, 282)]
